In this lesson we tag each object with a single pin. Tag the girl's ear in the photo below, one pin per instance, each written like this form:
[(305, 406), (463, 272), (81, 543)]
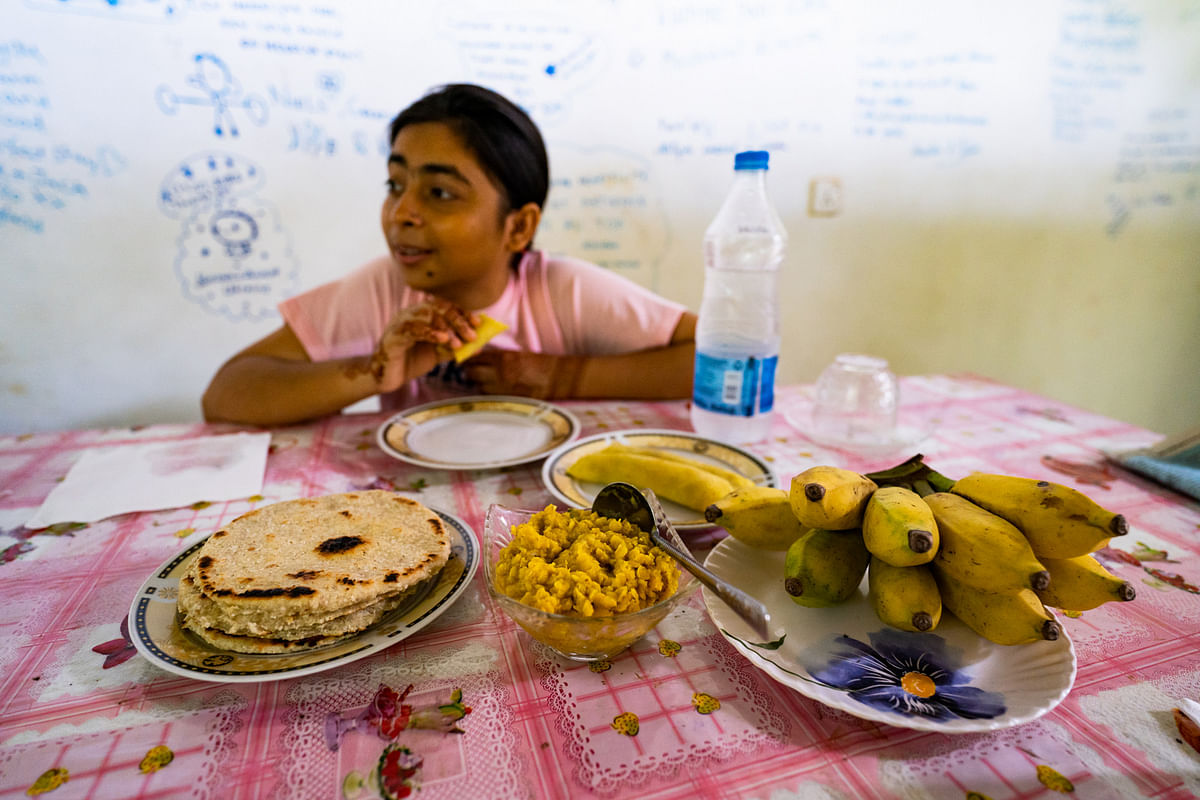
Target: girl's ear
[(520, 225)]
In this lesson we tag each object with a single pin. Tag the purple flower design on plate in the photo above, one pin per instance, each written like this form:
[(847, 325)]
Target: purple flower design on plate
[(904, 673)]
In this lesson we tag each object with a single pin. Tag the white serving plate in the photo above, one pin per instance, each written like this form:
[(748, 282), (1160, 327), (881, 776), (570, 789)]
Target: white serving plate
[(976, 685)]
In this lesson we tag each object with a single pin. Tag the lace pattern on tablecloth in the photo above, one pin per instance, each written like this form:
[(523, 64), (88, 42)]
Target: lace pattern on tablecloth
[(1141, 716), (488, 745), (105, 753), (658, 690), (1014, 760)]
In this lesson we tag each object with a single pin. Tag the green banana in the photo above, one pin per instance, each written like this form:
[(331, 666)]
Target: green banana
[(981, 549), (736, 479), (1082, 583), (1012, 617), (1058, 521), (823, 568), (904, 597), (760, 516), (686, 484), (899, 527), (830, 498)]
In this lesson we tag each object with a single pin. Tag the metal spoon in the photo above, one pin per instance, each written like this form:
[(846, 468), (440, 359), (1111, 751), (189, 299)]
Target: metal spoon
[(642, 509)]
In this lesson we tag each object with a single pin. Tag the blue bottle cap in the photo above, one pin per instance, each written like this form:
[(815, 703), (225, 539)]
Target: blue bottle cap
[(751, 159)]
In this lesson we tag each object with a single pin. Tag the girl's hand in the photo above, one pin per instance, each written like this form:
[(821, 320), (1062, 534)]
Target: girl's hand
[(519, 372), (417, 339)]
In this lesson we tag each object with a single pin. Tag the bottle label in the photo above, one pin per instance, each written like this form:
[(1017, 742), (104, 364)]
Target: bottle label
[(739, 386)]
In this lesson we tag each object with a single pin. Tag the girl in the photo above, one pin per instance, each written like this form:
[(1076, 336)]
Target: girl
[(467, 179)]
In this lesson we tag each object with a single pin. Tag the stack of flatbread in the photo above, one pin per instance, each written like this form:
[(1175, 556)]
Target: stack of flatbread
[(306, 573)]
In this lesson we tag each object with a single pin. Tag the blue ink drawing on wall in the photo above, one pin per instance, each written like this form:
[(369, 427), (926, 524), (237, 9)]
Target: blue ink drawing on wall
[(141, 10), (234, 256), (217, 88)]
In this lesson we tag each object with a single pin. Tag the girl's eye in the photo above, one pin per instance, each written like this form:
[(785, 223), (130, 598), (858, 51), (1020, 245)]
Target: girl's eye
[(394, 186), (441, 193)]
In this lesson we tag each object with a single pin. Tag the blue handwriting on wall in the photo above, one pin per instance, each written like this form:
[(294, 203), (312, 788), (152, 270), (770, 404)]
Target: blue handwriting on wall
[(40, 173), (604, 206)]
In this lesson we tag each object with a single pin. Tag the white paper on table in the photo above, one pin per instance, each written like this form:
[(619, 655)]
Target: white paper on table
[(107, 481)]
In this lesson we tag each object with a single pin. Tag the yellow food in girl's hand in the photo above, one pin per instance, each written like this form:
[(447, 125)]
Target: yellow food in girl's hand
[(487, 330)]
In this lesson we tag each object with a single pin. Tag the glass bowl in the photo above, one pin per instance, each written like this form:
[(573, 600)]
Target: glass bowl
[(576, 638)]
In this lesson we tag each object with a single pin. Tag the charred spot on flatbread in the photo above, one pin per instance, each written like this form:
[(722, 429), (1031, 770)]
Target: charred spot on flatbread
[(277, 591), (391, 577), (305, 573), (339, 544)]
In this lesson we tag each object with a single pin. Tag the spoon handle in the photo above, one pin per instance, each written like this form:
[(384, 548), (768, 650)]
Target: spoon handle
[(745, 606)]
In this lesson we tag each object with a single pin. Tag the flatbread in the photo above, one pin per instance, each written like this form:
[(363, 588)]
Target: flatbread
[(303, 573), (201, 612), (261, 645), (298, 638)]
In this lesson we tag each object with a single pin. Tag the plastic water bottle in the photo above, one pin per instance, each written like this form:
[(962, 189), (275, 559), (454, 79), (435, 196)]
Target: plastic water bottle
[(737, 334)]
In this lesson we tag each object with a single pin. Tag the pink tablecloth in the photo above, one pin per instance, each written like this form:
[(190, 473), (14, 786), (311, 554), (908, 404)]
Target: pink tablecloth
[(74, 696)]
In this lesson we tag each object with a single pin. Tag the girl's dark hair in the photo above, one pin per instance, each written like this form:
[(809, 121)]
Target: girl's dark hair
[(503, 137)]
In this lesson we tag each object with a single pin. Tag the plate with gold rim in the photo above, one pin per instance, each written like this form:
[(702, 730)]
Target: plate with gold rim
[(477, 432), (579, 494), (949, 680), (156, 634)]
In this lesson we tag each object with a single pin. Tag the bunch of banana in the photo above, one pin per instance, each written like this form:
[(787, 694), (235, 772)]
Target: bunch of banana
[(994, 550)]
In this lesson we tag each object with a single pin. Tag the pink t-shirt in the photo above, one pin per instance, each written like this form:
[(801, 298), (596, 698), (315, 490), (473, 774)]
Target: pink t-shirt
[(551, 305)]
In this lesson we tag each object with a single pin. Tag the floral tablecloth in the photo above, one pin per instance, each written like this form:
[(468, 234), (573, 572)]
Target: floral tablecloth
[(471, 707)]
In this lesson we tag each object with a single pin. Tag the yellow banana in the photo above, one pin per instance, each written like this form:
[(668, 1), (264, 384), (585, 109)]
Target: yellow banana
[(904, 597), (1058, 521), (982, 550), (830, 498), (824, 567), (1082, 583), (736, 479), (760, 516), (685, 484), (1013, 617), (899, 528)]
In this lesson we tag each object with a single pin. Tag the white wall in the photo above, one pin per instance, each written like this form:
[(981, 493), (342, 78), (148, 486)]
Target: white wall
[(1014, 188)]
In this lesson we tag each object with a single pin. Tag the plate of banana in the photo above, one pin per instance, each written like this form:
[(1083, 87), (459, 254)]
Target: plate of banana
[(914, 600), (687, 472)]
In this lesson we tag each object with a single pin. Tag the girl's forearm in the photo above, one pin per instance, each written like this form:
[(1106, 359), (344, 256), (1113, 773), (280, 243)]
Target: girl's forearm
[(664, 373), (268, 390)]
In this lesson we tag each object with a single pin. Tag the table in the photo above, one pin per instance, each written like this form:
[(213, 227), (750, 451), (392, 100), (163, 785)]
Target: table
[(75, 696)]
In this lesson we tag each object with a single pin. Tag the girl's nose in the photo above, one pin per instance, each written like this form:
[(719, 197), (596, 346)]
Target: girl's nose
[(405, 211)]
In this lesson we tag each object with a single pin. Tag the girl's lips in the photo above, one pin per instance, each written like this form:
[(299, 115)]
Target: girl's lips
[(410, 256)]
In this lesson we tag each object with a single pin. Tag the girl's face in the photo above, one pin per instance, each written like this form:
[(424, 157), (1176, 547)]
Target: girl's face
[(445, 222)]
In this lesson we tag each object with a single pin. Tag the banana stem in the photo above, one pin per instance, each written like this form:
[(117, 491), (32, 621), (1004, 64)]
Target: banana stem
[(939, 481), (909, 467), (913, 474)]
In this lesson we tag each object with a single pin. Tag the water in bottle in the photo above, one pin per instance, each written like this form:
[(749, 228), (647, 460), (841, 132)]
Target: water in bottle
[(737, 333)]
